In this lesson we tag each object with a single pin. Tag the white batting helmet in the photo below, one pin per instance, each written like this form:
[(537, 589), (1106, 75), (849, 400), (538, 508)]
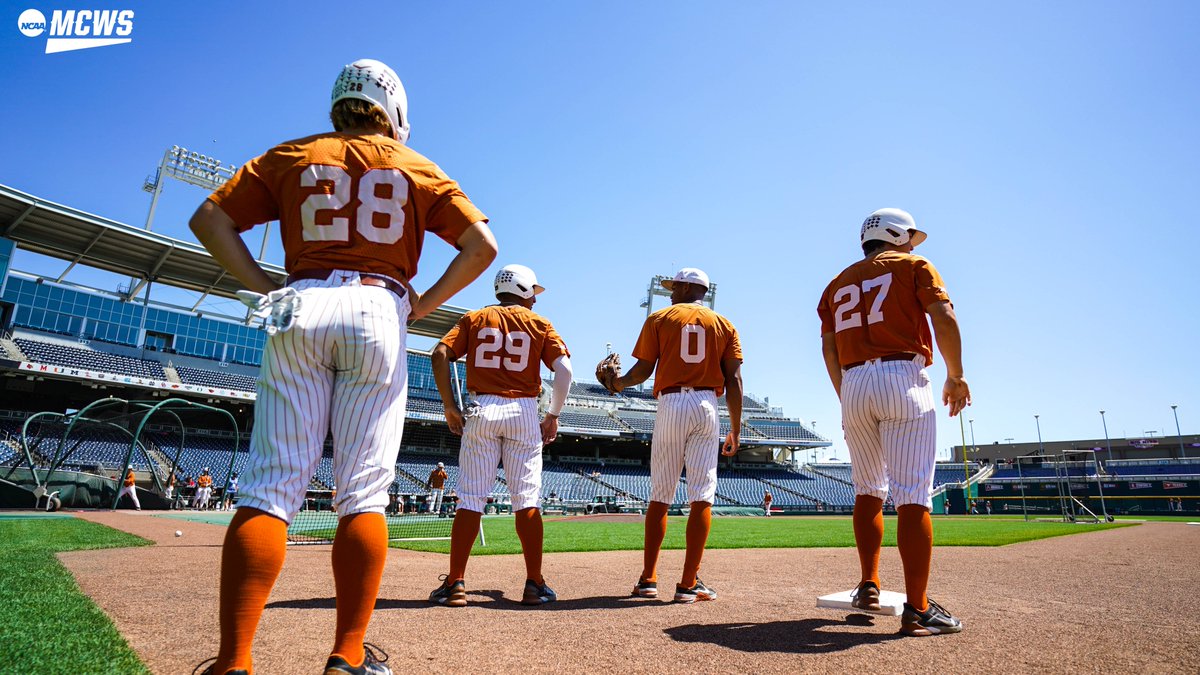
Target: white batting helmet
[(893, 226), (373, 81), (518, 280)]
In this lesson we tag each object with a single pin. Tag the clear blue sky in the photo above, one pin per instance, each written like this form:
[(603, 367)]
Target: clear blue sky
[(1049, 149)]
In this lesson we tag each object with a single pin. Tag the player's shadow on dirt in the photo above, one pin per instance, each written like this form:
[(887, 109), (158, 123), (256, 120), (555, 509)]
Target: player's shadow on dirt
[(804, 636), (490, 599)]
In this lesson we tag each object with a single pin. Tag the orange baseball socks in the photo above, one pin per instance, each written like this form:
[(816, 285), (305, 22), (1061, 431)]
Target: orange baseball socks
[(914, 536), (359, 553), (656, 529), (698, 525), (529, 531), (868, 535), (255, 545)]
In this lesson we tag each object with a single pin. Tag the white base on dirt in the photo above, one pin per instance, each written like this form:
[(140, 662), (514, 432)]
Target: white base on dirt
[(891, 603)]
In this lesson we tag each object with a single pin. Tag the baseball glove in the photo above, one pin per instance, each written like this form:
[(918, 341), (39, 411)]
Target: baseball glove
[(608, 370)]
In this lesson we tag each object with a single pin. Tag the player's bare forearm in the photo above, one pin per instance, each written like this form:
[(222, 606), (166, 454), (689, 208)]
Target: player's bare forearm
[(949, 340), (833, 364), (477, 250), (218, 233), (956, 393), (639, 373), (732, 369), (440, 359)]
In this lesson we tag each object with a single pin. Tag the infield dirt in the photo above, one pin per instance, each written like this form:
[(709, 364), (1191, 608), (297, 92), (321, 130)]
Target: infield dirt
[(1110, 601)]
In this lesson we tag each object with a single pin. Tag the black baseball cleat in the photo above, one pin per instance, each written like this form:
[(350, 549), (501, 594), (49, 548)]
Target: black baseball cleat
[(696, 593), (537, 594), (933, 621), (449, 594), (373, 658), (866, 597), (645, 589), (207, 667)]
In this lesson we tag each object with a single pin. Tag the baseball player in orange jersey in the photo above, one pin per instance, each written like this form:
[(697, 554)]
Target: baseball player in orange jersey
[(504, 345), (128, 489), (203, 490), (353, 206), (437, 484), (697, 353), (876, 343)]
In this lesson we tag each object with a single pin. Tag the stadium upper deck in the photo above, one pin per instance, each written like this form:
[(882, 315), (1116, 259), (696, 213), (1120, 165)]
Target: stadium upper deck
[(72, 333)]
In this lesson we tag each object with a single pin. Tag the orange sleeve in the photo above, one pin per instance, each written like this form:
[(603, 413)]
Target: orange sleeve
[(647, 348), (733, 347), (457, 338), (448, 212), (247, 198), (553, 346), (825, 312), (930, 287)]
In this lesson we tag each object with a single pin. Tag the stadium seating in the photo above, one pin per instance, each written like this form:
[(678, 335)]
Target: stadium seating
[(212, 378), (90, 359), (589, 420)]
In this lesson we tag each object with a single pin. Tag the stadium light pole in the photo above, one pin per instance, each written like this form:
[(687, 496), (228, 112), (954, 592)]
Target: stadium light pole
[(1041, 449), (1106, 441), (1182, 452)]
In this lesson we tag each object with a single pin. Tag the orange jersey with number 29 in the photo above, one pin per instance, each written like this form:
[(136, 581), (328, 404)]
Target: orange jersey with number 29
[(504, 346)]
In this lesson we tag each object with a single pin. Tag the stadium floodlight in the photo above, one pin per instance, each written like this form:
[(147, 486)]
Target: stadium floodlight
[(1182, 452), (189, 167), (656, 288), (1106, 441)]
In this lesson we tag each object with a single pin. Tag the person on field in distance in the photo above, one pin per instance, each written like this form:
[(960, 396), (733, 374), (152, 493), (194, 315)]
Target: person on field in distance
[(354, 206), (437, 485), (695, 354), (876, 344)]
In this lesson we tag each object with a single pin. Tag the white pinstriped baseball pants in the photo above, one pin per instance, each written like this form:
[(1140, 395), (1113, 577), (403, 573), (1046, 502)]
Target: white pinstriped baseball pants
[(685, 436), (505, 430), (888, 415), (341, 368)]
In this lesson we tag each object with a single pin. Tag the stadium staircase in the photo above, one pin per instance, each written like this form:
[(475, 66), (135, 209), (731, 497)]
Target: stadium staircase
[(172, 374), (610, 486), (13, 349), (780, 488), (819, 472), (417, 483)]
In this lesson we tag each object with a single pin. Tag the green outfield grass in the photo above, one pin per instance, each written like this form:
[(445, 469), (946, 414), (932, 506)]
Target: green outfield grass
[(781, 532), (49, 625)]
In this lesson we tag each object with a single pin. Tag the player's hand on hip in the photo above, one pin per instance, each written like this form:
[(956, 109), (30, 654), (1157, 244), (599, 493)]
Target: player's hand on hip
[(549, 427), (956, 394), (730, 447), (416, 302), (454, 419)]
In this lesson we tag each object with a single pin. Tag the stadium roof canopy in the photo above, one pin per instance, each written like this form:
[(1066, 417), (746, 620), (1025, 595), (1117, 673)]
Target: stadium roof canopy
[(69, 234)]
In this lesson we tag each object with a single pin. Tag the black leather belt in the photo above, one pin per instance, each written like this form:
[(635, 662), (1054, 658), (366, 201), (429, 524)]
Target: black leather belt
[(676, 390), (889, 357), (364, 278)]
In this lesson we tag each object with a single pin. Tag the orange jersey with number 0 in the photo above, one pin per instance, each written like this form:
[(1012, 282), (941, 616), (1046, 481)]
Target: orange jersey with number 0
[(504, 346), (876, 307), (348, 202), (689, 342)]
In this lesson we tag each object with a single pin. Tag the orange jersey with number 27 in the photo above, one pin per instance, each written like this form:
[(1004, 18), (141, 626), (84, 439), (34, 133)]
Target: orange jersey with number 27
[(876, 307)]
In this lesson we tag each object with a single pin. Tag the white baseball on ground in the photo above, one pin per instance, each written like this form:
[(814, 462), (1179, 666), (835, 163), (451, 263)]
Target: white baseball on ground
[(178, 533)]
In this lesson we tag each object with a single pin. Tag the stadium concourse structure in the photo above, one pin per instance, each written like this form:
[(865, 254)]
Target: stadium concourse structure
[(65, 345)]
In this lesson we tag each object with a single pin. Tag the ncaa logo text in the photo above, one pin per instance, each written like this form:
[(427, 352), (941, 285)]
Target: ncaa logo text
[(74, 29)]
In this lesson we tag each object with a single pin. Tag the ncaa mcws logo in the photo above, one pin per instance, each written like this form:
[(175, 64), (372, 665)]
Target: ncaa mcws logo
[(74, 29)]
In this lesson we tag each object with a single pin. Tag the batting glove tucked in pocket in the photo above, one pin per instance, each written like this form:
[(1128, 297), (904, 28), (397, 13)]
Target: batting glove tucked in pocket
[(277, 309)]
